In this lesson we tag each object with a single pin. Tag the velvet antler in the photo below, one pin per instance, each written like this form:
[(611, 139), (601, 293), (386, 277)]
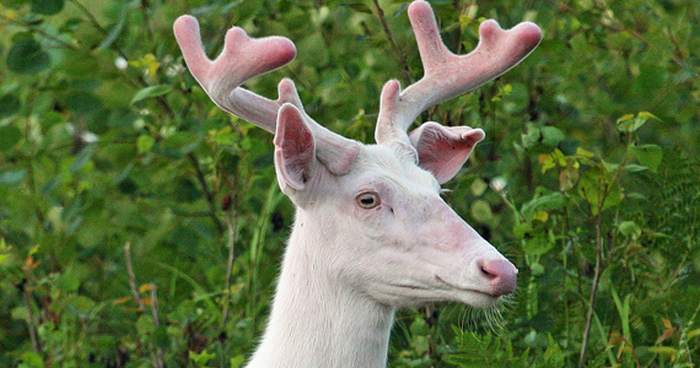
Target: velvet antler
[(243, 58), (447, 75)]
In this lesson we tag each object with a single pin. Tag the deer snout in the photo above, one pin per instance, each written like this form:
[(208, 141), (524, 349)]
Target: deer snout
[(502, 275)]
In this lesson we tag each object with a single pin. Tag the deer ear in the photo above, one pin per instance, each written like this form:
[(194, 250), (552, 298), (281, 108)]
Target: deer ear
[(295, 151), (443, 150)]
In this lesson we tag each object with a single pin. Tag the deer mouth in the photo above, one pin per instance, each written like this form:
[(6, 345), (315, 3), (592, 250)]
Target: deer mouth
[(468, 290), (408, 286)]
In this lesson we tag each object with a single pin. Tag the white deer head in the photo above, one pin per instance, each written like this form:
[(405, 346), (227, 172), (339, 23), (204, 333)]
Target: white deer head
[(370, 219)]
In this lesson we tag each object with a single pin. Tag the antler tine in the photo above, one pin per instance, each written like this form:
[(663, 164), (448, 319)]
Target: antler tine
[(241, 59), (447, 75)]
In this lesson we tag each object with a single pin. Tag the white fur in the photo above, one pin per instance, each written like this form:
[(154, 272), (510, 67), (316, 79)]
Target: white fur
[(337, 292)]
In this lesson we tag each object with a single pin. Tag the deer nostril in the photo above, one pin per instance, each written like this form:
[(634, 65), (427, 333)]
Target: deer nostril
[(501, 274), (486, 273)]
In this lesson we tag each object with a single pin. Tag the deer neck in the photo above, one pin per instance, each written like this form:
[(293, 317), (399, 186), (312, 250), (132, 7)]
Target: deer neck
[(316, 320)]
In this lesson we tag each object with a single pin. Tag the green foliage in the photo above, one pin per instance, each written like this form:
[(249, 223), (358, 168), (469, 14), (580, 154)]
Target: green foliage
[(588, 181)]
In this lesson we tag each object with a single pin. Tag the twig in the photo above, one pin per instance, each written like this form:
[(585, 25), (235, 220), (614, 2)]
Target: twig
[(41, 32), (390, 37), (594, 292), (207, 192), (230, 244), (607, 188), (91, 17), (132, 277), (95, 23), (158, 361), (31, 322)]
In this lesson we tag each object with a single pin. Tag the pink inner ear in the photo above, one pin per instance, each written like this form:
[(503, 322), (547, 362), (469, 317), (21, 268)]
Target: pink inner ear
[(294, 148), (444, 150)]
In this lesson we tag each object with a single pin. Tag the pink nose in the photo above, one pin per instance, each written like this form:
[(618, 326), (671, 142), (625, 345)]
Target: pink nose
[(503, 275)]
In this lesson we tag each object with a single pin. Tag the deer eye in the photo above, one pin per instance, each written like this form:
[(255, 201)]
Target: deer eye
[(368, 200)]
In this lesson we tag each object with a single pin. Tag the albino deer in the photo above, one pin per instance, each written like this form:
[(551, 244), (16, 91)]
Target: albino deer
[(371, 232)]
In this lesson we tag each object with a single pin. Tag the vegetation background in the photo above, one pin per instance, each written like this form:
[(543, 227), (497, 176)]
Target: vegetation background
[(141, 226)]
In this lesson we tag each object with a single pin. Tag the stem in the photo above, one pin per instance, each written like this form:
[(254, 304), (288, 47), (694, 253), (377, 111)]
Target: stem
[(607, 188), (132, 276), (91, 17), (390, 37), (95, 23), (594, 291), (207, 192), (31, 322), (43, 33), (154, 312), (230, 243)]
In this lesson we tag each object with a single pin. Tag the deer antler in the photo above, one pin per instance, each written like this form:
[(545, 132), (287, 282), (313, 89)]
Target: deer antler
[(447, 75), (243, 58)]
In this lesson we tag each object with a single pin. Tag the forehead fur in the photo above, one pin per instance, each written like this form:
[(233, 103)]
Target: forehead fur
[(381, 161)]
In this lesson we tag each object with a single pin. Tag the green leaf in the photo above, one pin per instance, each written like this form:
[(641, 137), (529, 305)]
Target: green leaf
[(481, 211), (80, 304), (552, 136), (12, 177), (31, 359), (150, 92), (545, 202), (537, 246), (360, 7), (180, 143), (9, 136), (83, 102), (82, 158), (27, 57), (629, 123), (419, 327), (629, 229), (478, 187), (421, 344), (634, 168), (160, 337), (647, 115), (201, 359), (9, 105), (614, 197), (145, 325), (237, 361), (568, 178), (531, 137), (115, 31), (592, 187), (19, 313), (537, 268), (47, 7), (649, 155), (68, 281), (693, 333), (144, 143)]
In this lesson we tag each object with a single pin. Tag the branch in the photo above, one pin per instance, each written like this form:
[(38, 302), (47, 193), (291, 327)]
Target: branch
[(158, 360), (390, 37), (207, 192), (231, 220), (40, 31), (599, 253), (132, 276), (31, 322), (594, 291)]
